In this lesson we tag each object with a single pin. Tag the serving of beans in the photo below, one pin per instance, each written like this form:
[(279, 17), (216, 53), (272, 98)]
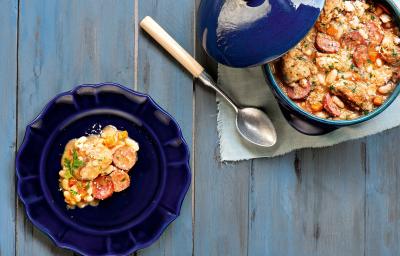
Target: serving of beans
[(96, 166)]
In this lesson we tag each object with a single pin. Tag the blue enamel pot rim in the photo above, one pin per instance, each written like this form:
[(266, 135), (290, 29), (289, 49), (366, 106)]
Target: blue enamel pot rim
[(267, 68)]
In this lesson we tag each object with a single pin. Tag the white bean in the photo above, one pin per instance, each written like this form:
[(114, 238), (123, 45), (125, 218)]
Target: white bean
[(338, 102), (81, 204), (62, 173), (385, 18), (303, 83), (385, 89), (321, 78), (64, 184), (88, 198), (331, 77), (363, 33), (133, 144), (347, 75), (321, 114), (348, 6), (379, 62), (308, 52), (77, 197)]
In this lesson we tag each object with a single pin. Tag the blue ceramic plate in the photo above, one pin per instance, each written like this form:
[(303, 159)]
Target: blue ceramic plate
[(129, 220)]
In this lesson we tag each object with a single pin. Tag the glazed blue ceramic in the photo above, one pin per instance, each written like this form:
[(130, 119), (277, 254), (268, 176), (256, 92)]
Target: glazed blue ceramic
[(309, 124), (247, 33), (129, 220)]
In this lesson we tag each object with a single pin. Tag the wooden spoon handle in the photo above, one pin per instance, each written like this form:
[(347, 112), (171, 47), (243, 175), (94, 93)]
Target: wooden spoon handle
[(169, 44)]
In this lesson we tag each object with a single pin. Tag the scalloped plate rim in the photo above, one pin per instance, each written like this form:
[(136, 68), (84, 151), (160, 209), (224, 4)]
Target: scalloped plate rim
[(43, 228)]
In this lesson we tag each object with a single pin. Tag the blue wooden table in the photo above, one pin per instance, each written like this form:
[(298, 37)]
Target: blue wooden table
[(343, 200)]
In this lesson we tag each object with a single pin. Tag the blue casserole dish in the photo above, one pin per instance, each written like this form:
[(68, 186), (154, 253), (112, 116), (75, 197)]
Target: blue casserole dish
[(256, 32)]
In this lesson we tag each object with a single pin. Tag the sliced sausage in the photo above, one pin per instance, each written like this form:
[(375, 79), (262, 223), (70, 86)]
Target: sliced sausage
[(120, 180), (330, 106), (374, 33), (298, 92), (360, 55), (125, 158), (103, 187), (352, 39), (326, 43)]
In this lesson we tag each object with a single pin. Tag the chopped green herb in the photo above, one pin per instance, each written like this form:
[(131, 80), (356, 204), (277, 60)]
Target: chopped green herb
[(369, 61), (353, 90), (331, 66), (68, 167), (352, 66), (76, 163), (87, 185), (394, 53), (73, 165), (366, 112), (372, 17), (332, 88), (73, 192)]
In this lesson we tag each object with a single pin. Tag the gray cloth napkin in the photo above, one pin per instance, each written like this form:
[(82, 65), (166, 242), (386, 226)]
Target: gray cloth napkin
[(248, 88)]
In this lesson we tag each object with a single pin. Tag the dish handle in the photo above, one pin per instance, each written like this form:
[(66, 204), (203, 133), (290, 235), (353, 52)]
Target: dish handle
[(305, 126)]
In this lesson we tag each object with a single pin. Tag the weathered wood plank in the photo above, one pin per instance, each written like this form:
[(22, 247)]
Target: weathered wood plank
[(161, 77), (382, 194), (8, 89), (220, 190), (62, 44), (311, 203)]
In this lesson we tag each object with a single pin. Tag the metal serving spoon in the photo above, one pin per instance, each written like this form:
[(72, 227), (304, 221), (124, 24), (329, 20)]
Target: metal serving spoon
[(252, 124)]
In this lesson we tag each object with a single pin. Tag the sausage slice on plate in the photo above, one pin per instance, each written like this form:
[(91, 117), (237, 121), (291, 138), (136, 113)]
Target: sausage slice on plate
[(326, 43), (125, 158), (103, 187), (120, 180)]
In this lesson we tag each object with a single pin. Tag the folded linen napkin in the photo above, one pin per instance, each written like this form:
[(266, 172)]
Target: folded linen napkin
[(248, 88)]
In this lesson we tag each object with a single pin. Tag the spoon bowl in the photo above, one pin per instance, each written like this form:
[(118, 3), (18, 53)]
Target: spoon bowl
[(256, 127)]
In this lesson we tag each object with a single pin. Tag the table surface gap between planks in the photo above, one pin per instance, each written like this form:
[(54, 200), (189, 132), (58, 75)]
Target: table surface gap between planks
[(341, 200)]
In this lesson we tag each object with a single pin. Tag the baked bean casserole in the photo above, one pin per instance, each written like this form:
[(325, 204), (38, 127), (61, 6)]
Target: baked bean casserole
[(347, 65), (96, 166)]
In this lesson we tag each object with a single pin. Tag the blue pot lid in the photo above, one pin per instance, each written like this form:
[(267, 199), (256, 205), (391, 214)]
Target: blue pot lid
[(243, 33)]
